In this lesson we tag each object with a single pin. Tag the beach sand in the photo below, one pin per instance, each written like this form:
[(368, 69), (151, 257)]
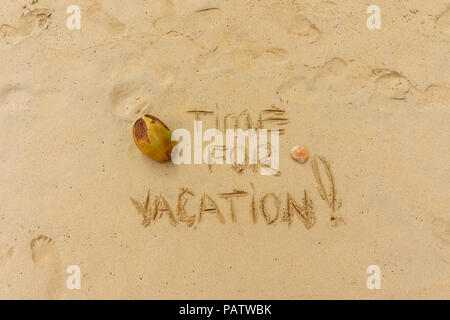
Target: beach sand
[(371, 106)]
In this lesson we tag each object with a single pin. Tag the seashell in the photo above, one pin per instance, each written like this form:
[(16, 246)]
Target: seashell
[(153, 138), (299, 153)]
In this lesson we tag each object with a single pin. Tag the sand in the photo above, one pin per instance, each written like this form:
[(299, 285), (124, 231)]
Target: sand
[(371, 106)]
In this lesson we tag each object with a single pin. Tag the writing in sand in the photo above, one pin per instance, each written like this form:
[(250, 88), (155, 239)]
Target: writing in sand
[(268, 208)]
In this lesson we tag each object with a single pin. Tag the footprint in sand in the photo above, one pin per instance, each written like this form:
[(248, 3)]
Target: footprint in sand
[(391, 84), (300, 88), (443, 21), (331, 73), (305, 86), (301, 27), (126, 101), (334, 67), (46, 258), (191, 26), (435, 95), (6, 253), (31, 22), (98, 18), (139, 88), (241, 59), (438, 94)]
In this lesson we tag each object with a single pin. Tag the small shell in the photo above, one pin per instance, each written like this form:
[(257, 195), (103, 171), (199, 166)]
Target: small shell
[(299, 153), (153, 138)]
